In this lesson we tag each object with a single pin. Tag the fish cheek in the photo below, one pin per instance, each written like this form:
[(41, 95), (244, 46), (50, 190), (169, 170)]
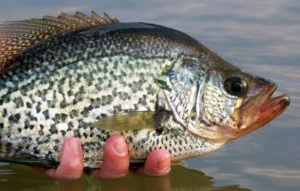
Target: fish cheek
[(219, 106)]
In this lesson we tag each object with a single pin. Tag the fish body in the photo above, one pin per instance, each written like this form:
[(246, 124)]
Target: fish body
[(156, 86)]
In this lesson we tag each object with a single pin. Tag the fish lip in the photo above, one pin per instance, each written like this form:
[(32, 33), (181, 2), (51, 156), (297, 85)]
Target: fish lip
[(271, 108), (259, 111)]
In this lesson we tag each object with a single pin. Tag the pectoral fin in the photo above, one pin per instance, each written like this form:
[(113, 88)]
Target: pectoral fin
[(131, 121)]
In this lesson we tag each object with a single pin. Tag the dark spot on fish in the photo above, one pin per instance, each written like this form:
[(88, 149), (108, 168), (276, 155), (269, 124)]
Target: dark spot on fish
[(115, 65), (63, 117), (135, 87), (50, 104), (103, 115), (63, 103), (106, 100), (142, 101), (51, 83), (27, 123), (81, 123), (26, 139), (46, 114), (158, 131), (56, 141), (74, 113), (69, 92), (76, 133), (38, 107), (41, 133), (70, 126), (91, 134), (57, 117), (19, 102), (85, 135), (130, 139), (135, 132), (123, 82), (150, 89), (117, 109), (143, 140), (124, 96), (63, 132), (113, 76), (36, 150), (114, 92), (4, 114), (94, 103), (53, 129), (86, 110), (136, 107), (55, 148), (28, 105), (14, 118)]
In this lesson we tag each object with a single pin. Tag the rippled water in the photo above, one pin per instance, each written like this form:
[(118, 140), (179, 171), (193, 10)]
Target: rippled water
[(262, 37)]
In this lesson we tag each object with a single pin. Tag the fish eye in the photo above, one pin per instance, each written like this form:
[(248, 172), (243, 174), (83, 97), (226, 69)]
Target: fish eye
[(235, 85)]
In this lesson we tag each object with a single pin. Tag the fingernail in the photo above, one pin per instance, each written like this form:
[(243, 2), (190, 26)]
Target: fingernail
[(163, 165), (74, 145), (120, 147)]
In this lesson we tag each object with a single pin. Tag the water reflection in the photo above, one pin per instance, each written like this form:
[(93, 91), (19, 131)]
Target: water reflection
[(278, 173), (180, 178)]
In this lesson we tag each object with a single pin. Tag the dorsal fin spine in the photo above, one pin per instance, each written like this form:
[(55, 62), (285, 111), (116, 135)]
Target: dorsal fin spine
[(17, 36)]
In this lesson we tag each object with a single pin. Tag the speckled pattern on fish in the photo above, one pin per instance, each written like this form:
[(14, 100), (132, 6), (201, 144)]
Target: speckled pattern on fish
[(60, 86)]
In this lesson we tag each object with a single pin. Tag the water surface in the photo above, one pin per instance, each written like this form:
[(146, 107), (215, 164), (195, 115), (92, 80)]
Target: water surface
[(262, 37)]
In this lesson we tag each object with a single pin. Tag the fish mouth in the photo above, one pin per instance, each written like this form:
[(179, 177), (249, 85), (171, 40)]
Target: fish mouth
[(259, 111)]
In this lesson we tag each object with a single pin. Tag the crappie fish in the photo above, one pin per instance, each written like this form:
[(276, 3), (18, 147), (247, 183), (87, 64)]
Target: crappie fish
[(92, 77)]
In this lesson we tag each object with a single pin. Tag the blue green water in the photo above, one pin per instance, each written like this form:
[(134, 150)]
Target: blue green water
[(262, 37)]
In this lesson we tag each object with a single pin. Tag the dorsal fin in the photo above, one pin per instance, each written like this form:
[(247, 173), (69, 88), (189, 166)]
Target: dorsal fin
[(17, 36)]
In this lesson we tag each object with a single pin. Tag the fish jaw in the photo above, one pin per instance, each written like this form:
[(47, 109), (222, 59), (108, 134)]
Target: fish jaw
[(258, 111)]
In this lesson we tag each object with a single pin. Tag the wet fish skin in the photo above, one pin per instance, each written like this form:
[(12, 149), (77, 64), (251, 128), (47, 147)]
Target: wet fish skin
[(64, 85)]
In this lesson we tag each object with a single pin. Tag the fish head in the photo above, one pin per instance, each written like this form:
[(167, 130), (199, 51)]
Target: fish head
[(236, 103)]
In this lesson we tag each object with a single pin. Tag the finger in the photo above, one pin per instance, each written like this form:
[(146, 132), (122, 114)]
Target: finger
[(158, 163), (71, 161), (116, 159)]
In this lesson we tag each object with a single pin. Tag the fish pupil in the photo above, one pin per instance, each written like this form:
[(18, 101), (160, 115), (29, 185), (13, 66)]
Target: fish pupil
[(235, 85)]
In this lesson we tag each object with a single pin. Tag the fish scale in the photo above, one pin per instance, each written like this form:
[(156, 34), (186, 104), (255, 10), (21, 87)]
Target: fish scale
[(93, 77)]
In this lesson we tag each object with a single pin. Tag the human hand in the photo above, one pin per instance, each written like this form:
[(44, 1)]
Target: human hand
[(115, 165)]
